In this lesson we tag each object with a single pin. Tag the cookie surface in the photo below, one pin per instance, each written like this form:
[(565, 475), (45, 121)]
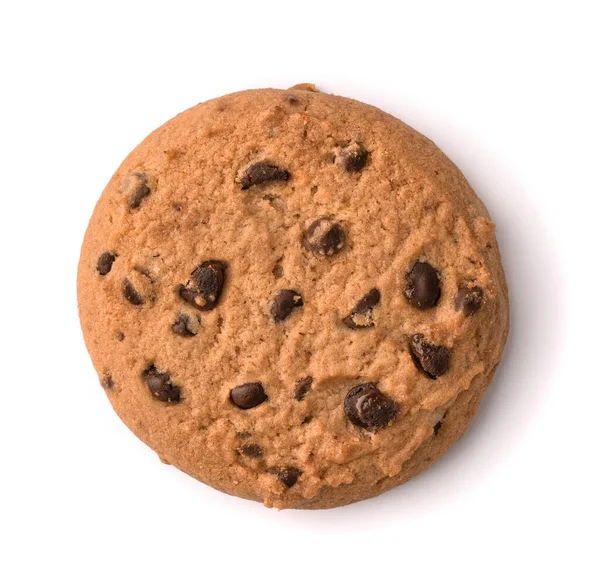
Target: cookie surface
[(293, 297)]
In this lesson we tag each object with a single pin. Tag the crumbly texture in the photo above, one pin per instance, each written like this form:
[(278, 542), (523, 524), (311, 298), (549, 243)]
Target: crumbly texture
[(274, 243)]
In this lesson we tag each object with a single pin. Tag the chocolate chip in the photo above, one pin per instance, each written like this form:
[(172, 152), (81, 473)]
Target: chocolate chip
[(292, 99), (251, 450), (303, 386), (289, 476), (186, 325), (248, 395), (367, 407), (437, 428), (138, 286), (422, 285), (120, 336), (351, 158), (278, 271), (204, 288), (432, 359), (160, 385), (131, 293), (362, 315), (468, 300), (105, 262), (368, 301), (107, 381), (324, 237), (136, 184), (261, 172), (283, 303)]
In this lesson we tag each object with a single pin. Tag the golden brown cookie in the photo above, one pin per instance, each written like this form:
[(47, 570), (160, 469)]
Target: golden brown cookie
[(293, 297)]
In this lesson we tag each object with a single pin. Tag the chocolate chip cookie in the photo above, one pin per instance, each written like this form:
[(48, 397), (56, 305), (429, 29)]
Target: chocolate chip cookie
[(293, 297)]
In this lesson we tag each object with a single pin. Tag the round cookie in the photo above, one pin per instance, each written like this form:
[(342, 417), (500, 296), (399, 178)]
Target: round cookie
[(293, 297)]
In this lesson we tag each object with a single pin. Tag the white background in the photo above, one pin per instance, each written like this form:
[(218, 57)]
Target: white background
[(507, 89)]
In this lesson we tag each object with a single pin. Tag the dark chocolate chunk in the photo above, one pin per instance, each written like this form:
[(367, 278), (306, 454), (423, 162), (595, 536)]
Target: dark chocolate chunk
[(185, 325), (138, 286), (437, 428), (261, 172), (105, 262), (160, 385), (204, 288), (252, 450), (362, 315), (367, 407), (248, 395), (289, 476), (368, 301), (468, 300), (432, 359), (422, 285), (324, 237), (303, 386), (136, 184), (352, 158), (131, 293), (292, 99), (107, 381), (283, 303)]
